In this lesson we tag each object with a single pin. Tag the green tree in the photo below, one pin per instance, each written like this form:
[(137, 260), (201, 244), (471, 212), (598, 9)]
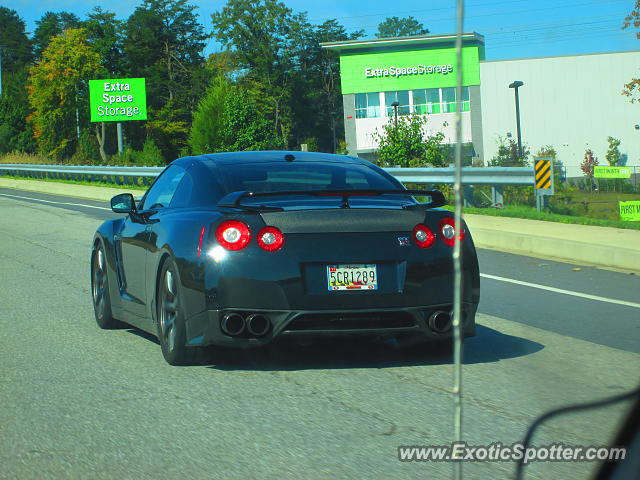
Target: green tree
[(400, 27), (15, 52), (257, 32), (168, 127), (278, 59), (15, 133), (613, 152), (15, 46), (104, 34), (164, 39), (587, 166), (408, 145), (317, 100), (163, 43), (50, 25), (244, 129), (507, 155), (58, 91), (206, 134), (228, 119)]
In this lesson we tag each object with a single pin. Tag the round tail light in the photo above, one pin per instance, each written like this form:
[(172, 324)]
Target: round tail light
[(233, 235), (270, 239), (448, 231), (423, 236)]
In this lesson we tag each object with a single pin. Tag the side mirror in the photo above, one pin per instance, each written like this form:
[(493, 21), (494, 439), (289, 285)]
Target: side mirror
[(123, 203)]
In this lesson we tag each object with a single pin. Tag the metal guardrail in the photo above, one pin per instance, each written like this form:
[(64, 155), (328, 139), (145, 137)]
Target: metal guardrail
[(111, 174), (470, 175), (84, 169), (120, 175)]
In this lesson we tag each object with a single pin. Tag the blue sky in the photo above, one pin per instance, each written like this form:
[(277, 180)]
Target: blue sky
[(512, 29)]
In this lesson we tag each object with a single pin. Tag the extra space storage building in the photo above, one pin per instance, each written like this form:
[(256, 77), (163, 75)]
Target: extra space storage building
[(570, 102)]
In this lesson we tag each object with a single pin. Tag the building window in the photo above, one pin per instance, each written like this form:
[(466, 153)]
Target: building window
[(368, 105), (426, 101), (402, 97), (449, 99), (422, 102)]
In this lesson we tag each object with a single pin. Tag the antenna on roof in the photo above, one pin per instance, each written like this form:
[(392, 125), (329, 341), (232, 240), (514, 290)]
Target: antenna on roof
[(289, 158)]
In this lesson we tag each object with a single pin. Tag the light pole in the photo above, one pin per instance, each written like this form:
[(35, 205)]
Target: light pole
[(515, 85), (395, 111)]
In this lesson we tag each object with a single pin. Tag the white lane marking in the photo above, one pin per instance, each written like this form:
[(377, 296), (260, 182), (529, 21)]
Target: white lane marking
[(56, 203), (560, 290)]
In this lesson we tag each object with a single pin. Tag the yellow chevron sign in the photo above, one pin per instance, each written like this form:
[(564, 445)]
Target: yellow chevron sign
[(543, 174)]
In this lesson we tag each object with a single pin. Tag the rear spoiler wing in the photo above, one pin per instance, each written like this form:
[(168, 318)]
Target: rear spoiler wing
[(233, 200)]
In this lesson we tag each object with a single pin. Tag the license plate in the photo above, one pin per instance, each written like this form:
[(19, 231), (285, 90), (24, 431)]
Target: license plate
[(352, 277)]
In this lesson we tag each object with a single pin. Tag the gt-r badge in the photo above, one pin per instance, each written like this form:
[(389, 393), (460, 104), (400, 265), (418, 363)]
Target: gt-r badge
[(404, 241)]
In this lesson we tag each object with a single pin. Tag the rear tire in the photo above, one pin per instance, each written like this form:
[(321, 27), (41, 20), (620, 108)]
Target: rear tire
[(100, 290), (170, 314)]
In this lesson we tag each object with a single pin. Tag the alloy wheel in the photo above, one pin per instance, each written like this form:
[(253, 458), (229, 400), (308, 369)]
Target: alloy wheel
[(168, 309), (99, 283)]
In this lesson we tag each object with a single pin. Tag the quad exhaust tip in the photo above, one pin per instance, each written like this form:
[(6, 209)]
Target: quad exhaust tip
[(258, 325), (440, 321), (232, 324)]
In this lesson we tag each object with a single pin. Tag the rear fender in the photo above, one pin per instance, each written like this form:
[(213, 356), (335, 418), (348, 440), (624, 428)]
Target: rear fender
[(177, 237)]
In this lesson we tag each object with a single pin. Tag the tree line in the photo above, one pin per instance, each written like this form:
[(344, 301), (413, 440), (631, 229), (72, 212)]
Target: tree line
[(269, 86)]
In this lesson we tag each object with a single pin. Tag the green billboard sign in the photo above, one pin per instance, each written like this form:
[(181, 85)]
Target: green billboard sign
[(630, 211), (363, 72), (118, 100), (612, 172)]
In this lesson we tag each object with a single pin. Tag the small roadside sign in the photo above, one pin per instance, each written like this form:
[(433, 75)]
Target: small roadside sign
[(543, 175), (611, 172), (118, 100), (630, 211)]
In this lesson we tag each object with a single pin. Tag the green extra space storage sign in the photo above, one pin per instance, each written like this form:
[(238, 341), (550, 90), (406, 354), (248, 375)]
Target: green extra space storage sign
[(118, 100), (363, 72)]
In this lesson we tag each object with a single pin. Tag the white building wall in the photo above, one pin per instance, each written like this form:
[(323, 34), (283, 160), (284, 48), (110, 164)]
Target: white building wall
[(571, 102), (436, 122)]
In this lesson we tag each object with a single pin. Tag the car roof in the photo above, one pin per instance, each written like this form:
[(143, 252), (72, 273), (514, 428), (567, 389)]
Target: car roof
[(274, 156)]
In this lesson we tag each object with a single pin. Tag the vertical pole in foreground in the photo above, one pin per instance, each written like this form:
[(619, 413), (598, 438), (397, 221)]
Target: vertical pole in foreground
[(120, 142), (457, 248), (0, 71)]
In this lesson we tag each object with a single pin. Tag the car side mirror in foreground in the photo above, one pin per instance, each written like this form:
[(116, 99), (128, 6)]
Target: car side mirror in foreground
[(123, 203)]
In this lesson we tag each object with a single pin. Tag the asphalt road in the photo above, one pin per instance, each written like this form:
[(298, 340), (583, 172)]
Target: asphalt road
[(79, 402)]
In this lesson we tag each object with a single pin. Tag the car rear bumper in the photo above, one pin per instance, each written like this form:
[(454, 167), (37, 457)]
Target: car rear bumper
[(206, 328)]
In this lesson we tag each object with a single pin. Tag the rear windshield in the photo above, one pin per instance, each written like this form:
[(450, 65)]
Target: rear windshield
[(274, 177)]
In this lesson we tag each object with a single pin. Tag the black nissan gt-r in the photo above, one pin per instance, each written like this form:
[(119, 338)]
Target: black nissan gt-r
[(238, 249)]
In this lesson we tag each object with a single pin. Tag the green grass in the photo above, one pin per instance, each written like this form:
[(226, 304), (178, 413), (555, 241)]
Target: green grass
[(602, 205), (78, 182), (522, 211)]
